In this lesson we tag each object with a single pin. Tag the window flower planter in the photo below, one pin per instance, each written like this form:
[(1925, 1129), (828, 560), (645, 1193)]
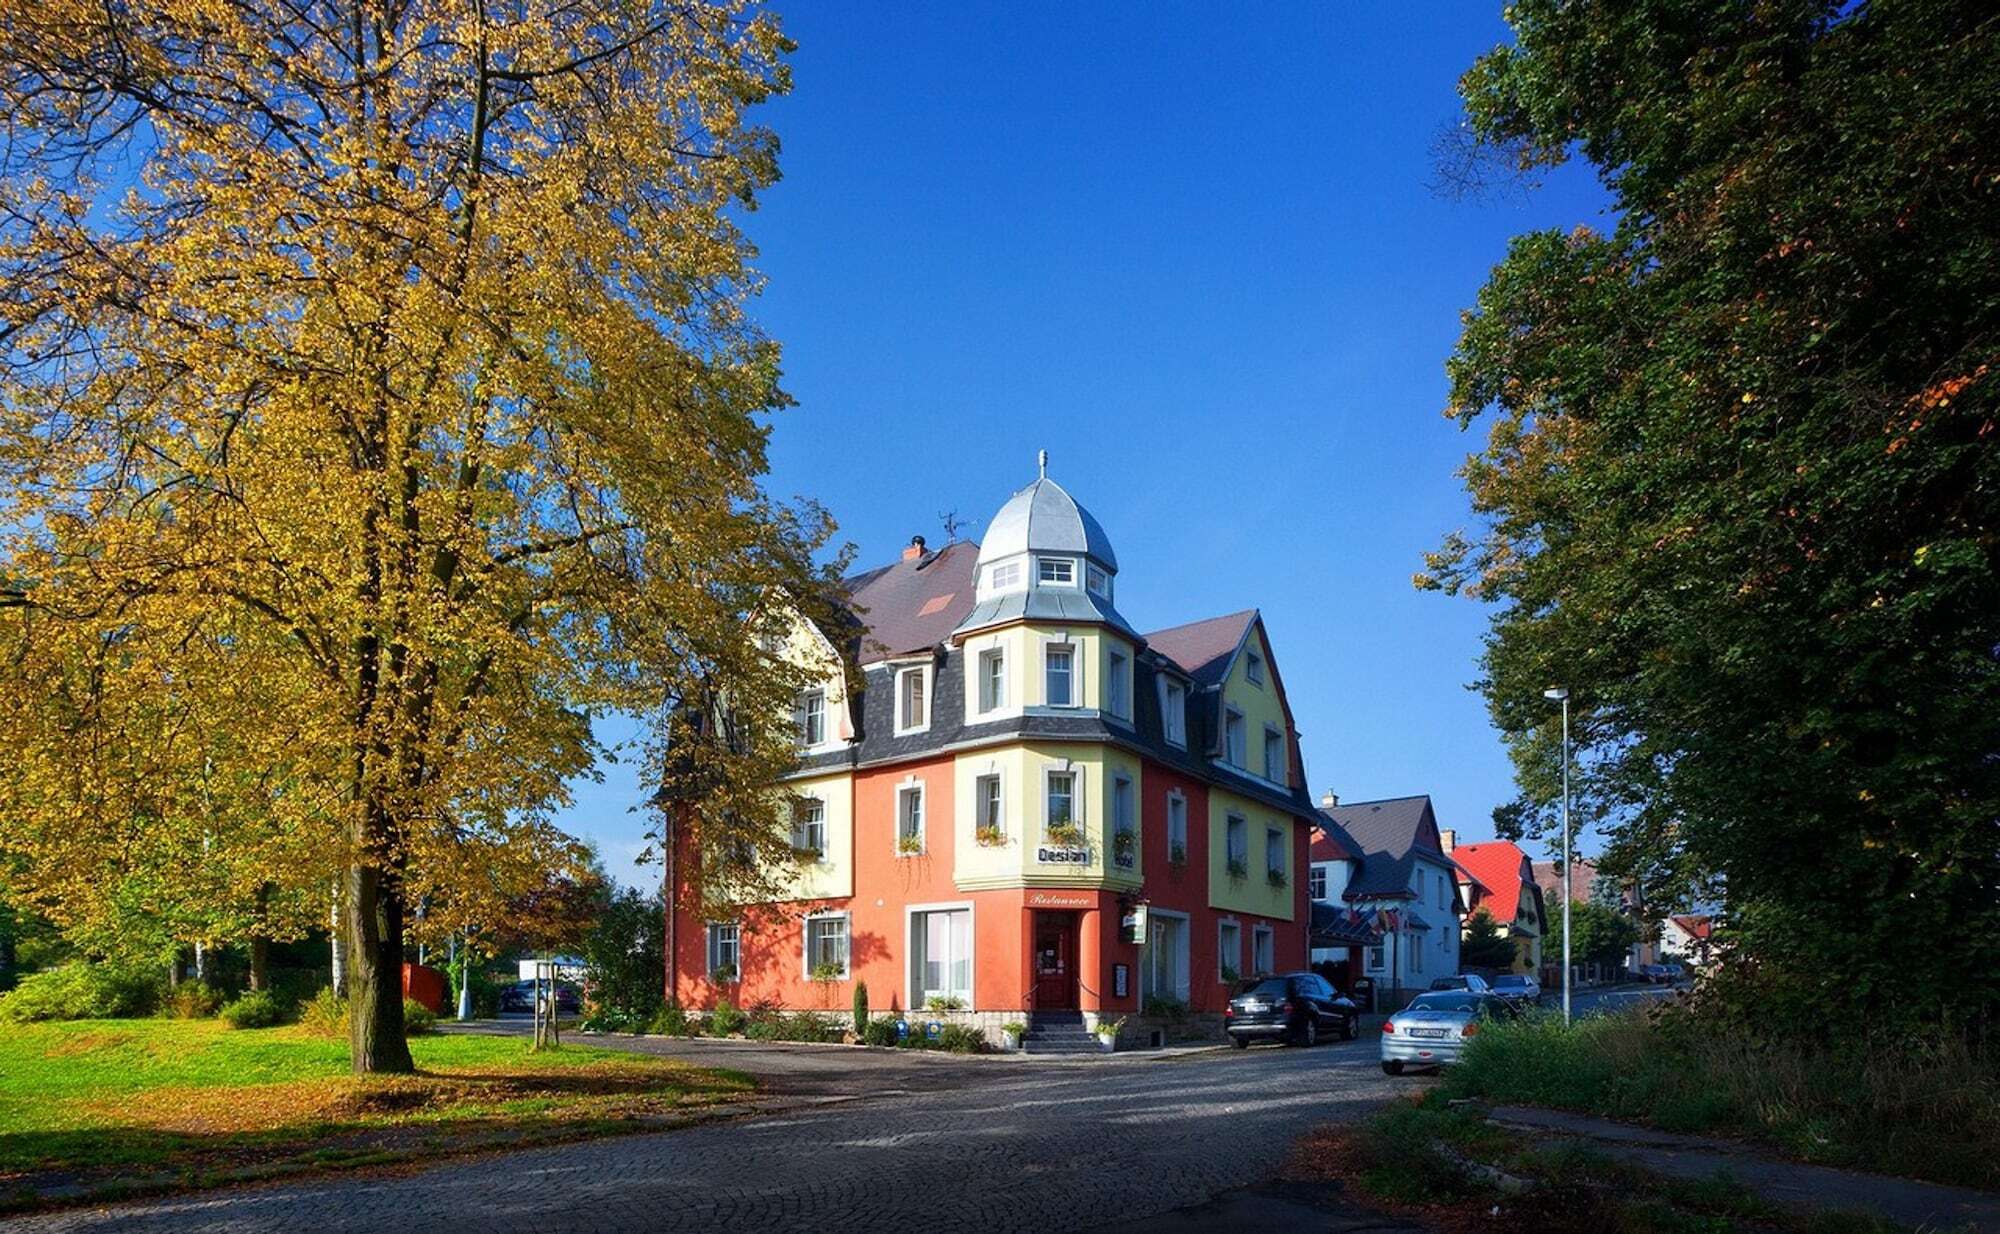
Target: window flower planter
[(990, 837), (1275, 877), (723, 975), (1066, 835), (1124, 844), (909, 846), (828, 972), (1239, 869), (1177, 853)]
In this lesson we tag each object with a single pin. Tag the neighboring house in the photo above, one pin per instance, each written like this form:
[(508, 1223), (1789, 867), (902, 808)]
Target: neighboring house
[(1498, 877), (1688, 938), (1020, 785), (1386, 861), (1585, 886)]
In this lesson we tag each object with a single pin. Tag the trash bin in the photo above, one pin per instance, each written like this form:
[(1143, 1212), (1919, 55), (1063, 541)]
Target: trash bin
[(1364, 993)]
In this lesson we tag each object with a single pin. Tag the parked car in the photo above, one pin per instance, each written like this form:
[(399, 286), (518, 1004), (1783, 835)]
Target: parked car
[(1297, 1007), (1660, 974), (1432, 1030), (521, 997), (1463, 981), (1517, 988)]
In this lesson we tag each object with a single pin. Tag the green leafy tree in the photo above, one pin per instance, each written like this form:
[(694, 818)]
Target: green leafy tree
[(1600, 934), (626, 951), (1741, 489), (1485, 945)]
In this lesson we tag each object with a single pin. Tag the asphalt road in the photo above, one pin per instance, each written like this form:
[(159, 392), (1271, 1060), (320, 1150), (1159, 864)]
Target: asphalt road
[(864, 1140)]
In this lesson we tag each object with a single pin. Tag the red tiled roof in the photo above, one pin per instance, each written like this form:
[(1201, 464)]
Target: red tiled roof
[(1581, 875), (1203, 648), (1497, 864), (1697, 927)]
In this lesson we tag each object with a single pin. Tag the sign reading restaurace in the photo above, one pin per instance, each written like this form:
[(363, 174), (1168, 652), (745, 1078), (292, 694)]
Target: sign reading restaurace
[(1062, 856), (1061, 899)]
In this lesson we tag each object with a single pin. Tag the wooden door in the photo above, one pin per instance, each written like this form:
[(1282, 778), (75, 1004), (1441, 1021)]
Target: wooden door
[(1055, 961)]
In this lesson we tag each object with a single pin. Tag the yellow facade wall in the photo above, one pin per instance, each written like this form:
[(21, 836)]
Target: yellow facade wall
[(1022, 646), (1252, 893), (832, 876), (1023, 771), (1260, 706)]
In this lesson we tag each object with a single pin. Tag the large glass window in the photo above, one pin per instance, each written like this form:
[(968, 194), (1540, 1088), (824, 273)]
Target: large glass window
[(1061, 688), (941, 956), (826, 945), (1232, 730), (1166, 960), (1116, 682), (992, 680), (722, 950), (1263, 959), (1228, 951), (809, 826)]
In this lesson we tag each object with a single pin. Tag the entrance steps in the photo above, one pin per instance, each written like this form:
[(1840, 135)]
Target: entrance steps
[(1058, 1032)]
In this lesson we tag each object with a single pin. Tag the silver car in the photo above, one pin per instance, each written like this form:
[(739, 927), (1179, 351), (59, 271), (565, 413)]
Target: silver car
[(1432, 1030), (1517, 988)]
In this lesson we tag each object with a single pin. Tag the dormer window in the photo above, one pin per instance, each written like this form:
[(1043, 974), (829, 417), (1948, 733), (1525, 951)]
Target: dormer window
[(1098, 580), (912, 699), (1004, 577), (1061, 571), (1116, 682), (1253, 668), (812, 718), (1274, 754), (1173, 714), (1233, 739)]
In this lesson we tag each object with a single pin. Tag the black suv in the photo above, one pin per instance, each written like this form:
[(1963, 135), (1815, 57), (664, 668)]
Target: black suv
[(1297, 1007)]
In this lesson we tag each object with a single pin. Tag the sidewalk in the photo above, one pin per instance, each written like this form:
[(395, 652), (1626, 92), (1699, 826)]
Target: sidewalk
[(1918, 1205)]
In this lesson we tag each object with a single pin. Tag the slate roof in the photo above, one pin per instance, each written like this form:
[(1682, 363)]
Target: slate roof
[(1497, 866), (1203, 649), (1393, 834), (909, 605), (1332, 843), (1043, 516), (1066, 605)]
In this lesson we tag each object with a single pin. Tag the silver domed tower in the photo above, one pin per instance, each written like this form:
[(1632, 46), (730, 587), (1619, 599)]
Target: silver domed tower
[(1044, 557)]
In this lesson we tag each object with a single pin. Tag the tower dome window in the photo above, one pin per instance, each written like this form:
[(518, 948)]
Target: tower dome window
[(1058, 570)]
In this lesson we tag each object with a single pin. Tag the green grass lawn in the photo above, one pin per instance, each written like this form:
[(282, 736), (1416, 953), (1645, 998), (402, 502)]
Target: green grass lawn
[(186, 1101)]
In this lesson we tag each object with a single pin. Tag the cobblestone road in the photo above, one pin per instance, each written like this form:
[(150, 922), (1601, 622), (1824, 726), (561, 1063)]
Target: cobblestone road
[(944, 1145)]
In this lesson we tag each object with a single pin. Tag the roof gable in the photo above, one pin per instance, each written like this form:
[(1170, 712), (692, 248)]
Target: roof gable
[(1505, 871)]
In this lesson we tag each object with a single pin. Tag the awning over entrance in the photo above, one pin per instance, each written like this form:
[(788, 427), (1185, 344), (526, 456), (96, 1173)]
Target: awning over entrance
[(1334, 926)]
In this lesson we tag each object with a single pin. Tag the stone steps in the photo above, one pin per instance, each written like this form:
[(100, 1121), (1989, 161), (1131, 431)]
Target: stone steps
[(1058, 1033)]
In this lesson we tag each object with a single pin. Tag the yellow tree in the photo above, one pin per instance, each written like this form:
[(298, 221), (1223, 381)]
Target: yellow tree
[(398, 350)]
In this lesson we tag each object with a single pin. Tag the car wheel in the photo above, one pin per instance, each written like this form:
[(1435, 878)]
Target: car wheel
[(1351, 1029), (1309, 1035), (1240, 1043), (1391, 1067)]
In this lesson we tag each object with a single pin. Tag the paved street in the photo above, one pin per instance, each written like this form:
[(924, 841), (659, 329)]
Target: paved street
[(991, 1144)]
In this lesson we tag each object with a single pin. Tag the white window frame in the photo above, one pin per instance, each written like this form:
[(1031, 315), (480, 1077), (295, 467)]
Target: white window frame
[(991, 670), (1177, 813), (806, 699), (912, 785), (1117, 682), (1235, 738), (847, 938), (999, 783), (1253, 669), (1377, 958), (735, 945), (1262, 937), (1227, 954), (1274, 755), (1317, 879), (1185, 960), (1075, 775), (913, 995), (1055, 571), (1096, 579), (1173, 713), (903, 724), (1067, 650), (1415, 951), (1003, 576), (799, 832), (1276, 859)]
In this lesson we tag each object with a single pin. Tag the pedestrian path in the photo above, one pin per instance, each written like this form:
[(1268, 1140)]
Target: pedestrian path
[(1919, 1205)]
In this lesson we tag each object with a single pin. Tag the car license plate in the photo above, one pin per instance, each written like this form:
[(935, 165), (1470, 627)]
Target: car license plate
[(1256, 1006), (1427, 1032)]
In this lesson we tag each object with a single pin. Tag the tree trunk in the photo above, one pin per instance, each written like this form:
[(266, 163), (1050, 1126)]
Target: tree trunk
[(336, 940), (201, 963), (260, 944), (375, 971)]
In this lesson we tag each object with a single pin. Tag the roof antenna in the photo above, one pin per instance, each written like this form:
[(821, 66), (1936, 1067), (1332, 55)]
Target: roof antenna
[(1044, 461)]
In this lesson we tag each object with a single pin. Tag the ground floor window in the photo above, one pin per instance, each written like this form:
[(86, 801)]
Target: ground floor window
[(1375, 958), (1166, 960), (941, 956), (722, 950), (1228, 951), (1416, 950), (826, 947), (1263, 947)]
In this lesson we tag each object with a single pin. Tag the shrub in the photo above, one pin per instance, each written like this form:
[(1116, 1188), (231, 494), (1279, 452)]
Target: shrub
[(805, 1026), (940, 1002), (80, 990), (961, 1039), (671, 1021), (1160, 1007), (324, 1014), (861, 1009), (192, 1000), (879, 1032), (417, 1018), (256, 1009), (726, 1020)]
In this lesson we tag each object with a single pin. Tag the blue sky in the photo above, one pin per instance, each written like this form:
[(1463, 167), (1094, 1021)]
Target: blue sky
[(1193, 253)]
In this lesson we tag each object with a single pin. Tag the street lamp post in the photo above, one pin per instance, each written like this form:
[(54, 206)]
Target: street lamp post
[(1561, 694)]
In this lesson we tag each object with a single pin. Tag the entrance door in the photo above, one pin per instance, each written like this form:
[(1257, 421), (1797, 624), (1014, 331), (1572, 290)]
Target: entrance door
[(1055, 961)]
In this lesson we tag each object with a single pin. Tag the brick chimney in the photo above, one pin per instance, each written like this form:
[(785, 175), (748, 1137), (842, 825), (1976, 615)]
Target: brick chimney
[(915, 550), (1329, 799), (1448, 838)]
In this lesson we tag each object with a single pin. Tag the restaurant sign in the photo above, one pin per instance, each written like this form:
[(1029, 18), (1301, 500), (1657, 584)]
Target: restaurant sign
[(1061, 899)]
